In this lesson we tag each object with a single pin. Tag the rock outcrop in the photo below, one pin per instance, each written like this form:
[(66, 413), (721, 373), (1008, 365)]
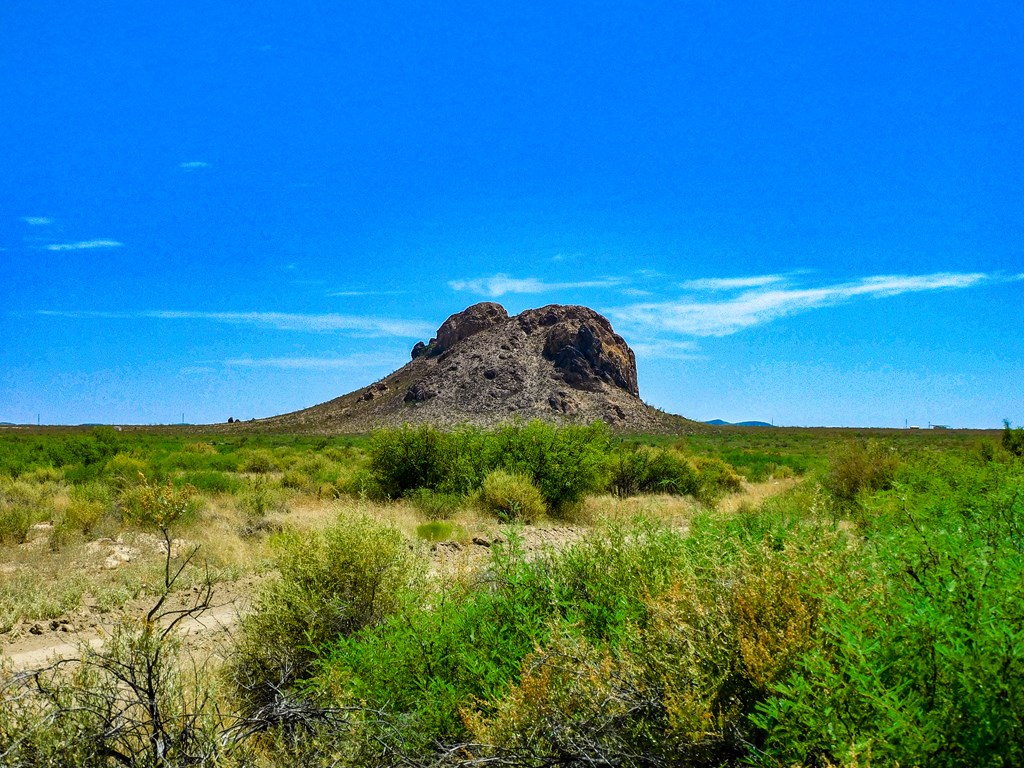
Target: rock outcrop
[(558, 363)]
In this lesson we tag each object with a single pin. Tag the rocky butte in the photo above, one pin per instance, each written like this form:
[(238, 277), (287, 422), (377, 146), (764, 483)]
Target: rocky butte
[(557, 363)]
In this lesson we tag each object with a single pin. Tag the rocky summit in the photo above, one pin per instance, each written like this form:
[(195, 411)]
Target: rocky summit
[(483, 366)]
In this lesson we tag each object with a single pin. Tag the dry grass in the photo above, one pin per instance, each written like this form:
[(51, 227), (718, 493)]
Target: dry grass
[(84, 578)]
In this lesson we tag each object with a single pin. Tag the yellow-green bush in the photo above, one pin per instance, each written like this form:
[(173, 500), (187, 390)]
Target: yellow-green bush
[(88, 504), (715, 478), (511, 496), (124, 471), (332, 583), (21, 505), (860, 466)]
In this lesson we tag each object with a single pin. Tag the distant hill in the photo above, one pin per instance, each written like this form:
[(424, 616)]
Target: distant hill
[(720, 423), (562, 364)]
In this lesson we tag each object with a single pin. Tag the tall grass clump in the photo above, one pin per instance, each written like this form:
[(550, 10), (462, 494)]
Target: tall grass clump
[(858, 466), (333, 583), (21, 505), (88, 504), (511, 497)]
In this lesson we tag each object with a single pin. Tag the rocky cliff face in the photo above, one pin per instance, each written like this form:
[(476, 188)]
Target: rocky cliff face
[(558, 363)]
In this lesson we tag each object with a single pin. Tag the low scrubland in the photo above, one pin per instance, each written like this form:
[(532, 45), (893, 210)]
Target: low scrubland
[(870, 613)]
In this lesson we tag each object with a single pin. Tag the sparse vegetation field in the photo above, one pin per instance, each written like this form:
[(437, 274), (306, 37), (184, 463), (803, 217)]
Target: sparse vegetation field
[(528, 596)]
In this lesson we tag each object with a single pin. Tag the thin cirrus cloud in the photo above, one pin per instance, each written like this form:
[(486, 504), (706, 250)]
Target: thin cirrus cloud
[(37, 221), (283, 321), (500, 284), (774, 299), (84, 245), (666, 350), (193, 165), (730, 283)]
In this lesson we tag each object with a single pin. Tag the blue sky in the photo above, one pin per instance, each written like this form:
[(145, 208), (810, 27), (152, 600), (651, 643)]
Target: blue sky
[(811, 213)]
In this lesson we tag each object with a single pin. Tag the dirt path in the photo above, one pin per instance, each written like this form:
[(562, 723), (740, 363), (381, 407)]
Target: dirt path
[(207, 632)]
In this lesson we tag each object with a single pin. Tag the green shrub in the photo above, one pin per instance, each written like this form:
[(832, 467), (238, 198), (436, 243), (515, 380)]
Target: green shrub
[(1013, 439), (21, 505), (715, 478), (643, 469), (296, 480), (333, 583), (124, 471), (565, 463), (210, 481), (860, 466), (259, 461), (512, 497), (440, 653), (88, 505), (407, 458), (922, 664)]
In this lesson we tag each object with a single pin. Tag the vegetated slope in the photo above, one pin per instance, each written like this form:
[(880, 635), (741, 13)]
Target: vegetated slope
[(557, 363)]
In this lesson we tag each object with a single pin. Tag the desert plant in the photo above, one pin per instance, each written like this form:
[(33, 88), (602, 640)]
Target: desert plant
[(435, 505), (259, 461), (1013, 439), (159, 504), (21, 505), (438, 530), (125, 470), (565, 463), (715, 478), (332, 584), (860, 466), (920, 665), (88, 505), (512, 497)]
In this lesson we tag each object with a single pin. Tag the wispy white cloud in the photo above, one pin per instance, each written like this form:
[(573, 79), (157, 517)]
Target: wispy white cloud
[(84, 245), (193, 165), (635, 292), (37, 221), (730, 283), (746, 309), (359, 325), (500, 284), (666, 350), (314, 363)]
